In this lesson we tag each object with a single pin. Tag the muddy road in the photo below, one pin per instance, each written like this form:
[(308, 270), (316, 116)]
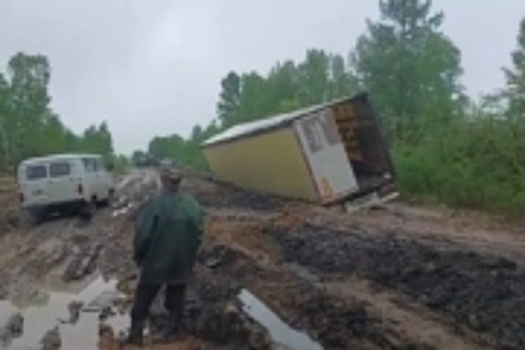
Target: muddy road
[(272, 274)]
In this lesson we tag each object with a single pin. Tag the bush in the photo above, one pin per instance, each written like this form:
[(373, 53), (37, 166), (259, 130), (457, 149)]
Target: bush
[(477, 165)]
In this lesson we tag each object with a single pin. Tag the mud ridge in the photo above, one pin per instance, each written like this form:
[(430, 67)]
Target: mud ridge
[(212, 313), (335, 323), (482, 293), (216, 194)]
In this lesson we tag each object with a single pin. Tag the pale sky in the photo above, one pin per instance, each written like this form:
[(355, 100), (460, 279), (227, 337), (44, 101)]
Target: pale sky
[(153, 67)]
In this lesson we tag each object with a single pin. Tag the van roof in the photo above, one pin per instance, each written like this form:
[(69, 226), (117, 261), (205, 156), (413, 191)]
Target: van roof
[(59, 157)]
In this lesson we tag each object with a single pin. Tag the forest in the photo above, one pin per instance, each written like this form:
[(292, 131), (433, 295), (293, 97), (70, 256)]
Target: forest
[(28, 125), (447, 147)]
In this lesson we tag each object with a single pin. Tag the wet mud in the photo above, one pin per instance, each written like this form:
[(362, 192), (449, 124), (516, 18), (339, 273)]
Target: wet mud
[(307, 308), (216, 194), (264, 279), (482, 293)]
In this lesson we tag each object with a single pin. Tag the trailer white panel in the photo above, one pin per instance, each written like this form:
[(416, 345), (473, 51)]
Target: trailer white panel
[(326, 155)]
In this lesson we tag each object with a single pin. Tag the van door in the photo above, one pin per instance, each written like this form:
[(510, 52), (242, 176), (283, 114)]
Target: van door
[(105, 178), (32, 180), (91, 175), (100, 178), (62, 184), (326, 155)]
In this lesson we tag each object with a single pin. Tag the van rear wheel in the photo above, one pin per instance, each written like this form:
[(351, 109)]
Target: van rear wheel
[(29, 218), (109, 200), (88, 210)]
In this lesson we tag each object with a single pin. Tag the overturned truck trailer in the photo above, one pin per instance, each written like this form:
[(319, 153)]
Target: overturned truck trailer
[(329, 153)]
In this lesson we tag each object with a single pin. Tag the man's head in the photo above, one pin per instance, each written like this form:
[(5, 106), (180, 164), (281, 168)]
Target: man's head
[(170, 179)]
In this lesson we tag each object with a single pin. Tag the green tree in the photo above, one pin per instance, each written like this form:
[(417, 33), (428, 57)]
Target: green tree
[(342, 81), (228, 106), (516, 76), (121, 163), (209, 131), (52, 136), (5, 140), (283, 87), (28, 78), (97, 139), (313, 78), (28, 125), (177, 149), (254, 101), (411, 68), (197, 134)]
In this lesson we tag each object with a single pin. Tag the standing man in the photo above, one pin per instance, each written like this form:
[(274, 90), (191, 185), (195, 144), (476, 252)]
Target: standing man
[(167, 236)]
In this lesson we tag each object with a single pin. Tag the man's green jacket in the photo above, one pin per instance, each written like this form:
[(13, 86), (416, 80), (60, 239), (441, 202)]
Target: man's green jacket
[(167, 236)]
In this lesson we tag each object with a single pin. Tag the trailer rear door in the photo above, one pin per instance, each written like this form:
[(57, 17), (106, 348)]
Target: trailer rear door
[(326, 155)]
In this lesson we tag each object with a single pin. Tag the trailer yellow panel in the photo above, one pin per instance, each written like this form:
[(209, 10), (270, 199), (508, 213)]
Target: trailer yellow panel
[(289, 154), (271, 162)]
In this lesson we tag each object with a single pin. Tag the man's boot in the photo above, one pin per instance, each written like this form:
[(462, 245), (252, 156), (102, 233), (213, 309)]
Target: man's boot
[(172, 328), (135, 336)]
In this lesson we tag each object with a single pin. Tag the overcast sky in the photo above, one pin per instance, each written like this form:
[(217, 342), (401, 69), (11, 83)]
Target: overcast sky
[(153, 67)]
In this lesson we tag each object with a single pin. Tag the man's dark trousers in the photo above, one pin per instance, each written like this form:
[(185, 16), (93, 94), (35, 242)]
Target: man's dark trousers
[(146, 292)]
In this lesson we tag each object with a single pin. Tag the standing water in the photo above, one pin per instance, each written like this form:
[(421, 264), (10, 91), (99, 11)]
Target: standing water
[(281, 333), (50, 309)]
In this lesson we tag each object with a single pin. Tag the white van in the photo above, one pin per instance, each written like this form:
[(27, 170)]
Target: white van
[(62, 183)]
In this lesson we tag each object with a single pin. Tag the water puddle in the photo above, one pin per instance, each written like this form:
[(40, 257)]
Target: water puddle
[(303, 273), (122, 211), (281, 333), (125, 182), (49, 309)]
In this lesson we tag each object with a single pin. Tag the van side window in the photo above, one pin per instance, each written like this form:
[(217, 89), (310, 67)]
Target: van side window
[(36, 172), (59, 169), (96, 166), (101, 165), (89, 165)]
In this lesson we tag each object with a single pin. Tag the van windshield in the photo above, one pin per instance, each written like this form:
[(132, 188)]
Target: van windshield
[(36, 172)]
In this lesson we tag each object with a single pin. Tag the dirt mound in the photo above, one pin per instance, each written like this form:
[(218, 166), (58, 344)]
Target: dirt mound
[(349, 324), (483, 293), (9, 202), (247, 235), (221, 195)]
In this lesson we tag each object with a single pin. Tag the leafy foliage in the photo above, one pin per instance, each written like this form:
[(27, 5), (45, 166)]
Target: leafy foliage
[(28, 126), (516, 76), (411, 68), (228, 106)]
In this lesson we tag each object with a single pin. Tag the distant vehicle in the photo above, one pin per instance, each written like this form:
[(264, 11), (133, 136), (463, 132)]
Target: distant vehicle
[(167, 163), (146, 161), (63, 182)]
